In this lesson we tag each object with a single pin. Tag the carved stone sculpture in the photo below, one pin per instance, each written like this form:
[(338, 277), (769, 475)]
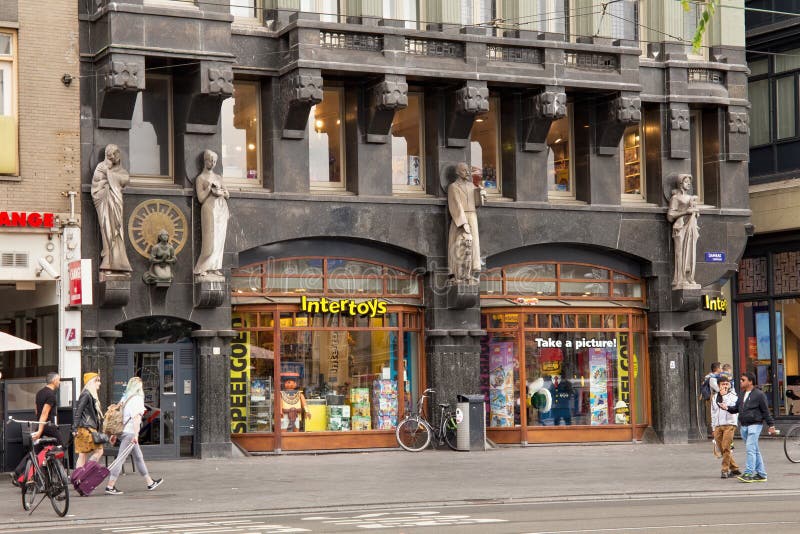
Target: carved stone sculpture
[(683, 213), (214, 215), (162, 257), (109, 179), (463, 244)]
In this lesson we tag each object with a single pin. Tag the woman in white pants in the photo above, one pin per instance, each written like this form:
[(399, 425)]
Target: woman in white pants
[(132, 421)]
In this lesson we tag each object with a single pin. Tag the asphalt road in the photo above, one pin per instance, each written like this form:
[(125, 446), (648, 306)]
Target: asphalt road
[(763, 512)]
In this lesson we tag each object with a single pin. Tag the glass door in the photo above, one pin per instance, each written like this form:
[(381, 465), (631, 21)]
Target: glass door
[(157, 371)]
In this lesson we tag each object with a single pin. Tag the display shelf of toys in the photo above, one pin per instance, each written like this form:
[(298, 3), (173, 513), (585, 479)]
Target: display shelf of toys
[(561, 169), (261, 406), (384, 400), (633, 170)]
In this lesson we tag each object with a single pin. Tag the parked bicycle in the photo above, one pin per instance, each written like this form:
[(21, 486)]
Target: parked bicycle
[(791, 444), (44, 473), (415, 432)]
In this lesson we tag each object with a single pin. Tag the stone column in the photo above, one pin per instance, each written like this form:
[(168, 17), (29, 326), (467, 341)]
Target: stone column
[(668, 386), (698, 417), (213, 379)]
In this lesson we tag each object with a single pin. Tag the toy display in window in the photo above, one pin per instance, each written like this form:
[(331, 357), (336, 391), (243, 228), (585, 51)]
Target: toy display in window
[(293, 403), (562, 393), (621, 413)]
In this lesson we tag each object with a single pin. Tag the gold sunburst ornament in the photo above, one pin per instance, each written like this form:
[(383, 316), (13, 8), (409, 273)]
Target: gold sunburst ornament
[(152, 216)]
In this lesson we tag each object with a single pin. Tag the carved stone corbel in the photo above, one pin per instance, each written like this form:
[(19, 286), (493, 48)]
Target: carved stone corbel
[(120, 77), (540, 111), (621, 112), (738, 131), (299, 90), (467, 102), (678, 131), (383, 99), (214, 83)]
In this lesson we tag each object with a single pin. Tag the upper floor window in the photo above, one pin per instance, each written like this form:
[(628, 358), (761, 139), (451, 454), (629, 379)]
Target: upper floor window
[(325, 141), (150, 136), (478, 12), (485, 148), (696, 152), (405, 10), (9, 163), (632, 158), (328, 9), (246, 9), (560, 179), (241, 143), (408, 168)]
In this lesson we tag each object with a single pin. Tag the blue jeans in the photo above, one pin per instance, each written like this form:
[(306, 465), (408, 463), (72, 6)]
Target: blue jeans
[(755, 464)]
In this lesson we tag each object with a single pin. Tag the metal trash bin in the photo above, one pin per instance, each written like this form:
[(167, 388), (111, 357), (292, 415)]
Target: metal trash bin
[(471, 423)]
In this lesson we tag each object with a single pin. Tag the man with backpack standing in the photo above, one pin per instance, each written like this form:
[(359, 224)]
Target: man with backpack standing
[(708, 391), (753, 412)]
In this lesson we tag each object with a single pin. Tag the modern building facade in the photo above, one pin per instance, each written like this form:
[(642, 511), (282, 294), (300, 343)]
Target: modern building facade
[(767, 290), (338, 127)]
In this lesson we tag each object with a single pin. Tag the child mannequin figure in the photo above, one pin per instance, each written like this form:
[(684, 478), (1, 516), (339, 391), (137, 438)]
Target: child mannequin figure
[(293, 403)]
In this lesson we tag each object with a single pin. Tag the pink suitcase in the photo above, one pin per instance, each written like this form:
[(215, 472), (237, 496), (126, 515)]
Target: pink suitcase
[(85, 479)]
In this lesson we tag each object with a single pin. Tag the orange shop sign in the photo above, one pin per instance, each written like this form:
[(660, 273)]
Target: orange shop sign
[(35, 219)]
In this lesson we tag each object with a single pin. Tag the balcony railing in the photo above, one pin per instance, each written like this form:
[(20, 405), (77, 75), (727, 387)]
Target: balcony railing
[(513, 54), (428, 47), (351, 41)]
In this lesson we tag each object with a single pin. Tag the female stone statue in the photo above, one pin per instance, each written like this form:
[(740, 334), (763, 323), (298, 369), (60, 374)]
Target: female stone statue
[(463, 245), (162, 257), (683, 213), (109, 179), (214, 214)]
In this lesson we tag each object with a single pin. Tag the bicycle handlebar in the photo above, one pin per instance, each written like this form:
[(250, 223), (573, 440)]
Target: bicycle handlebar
[(12, 420)]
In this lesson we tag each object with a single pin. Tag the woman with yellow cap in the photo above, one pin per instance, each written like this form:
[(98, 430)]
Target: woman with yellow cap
[(88, 418)]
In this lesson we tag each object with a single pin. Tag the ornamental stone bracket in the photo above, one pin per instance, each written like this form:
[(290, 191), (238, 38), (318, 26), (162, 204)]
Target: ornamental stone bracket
[(212, 84), (678, 121), (298, 91), (120, 77), (540, 111), (114, 289), (620, 112), (738, 132), (209, 292), (466, 102), (383, 100)]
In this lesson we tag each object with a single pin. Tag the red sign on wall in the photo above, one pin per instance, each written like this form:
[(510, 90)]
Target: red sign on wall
[(80, 282), (24, 219)]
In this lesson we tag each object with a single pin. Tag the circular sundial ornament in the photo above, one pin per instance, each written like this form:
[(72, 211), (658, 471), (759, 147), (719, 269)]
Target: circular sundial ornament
[(152, 216)]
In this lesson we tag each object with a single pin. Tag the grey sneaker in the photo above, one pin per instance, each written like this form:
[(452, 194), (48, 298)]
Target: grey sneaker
[(156, 483), (113, 491), (747, 477), (759, 478)]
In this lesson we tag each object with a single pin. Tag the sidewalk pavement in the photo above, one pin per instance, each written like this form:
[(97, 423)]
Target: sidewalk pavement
[(312, 483)]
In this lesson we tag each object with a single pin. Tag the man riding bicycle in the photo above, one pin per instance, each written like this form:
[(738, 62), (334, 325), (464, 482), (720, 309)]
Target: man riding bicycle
[(45, 412)]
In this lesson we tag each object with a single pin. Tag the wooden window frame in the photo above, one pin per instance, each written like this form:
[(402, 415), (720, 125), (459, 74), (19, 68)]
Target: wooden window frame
[(631, 198)]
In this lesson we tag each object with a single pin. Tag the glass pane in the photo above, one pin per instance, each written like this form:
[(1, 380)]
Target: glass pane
[(622, 321), (500, 378), (758, 66), (786, 60), (583, 271), (295, 266), (584, 289), (244, 8), (628, 290), (632, 183), (355, 285), (760, 117), (146, 366), (569, 320), (149, 135), (485, 148), (402, 286), (533, 271), (6, 96), (353, 268), (411, 360), (407, 146), (786, 272), (246, 284), (696, 152), (639, 378), (530, 288), (620, 276), (571, 384), (543, 320), (169, 426), (325, 149), (239, 119), (785, 106), (555, 321), (787, 324), (583, 321), (256, 355), (169, 373), (755, 345), (595, 320), (490, 287), (5, 44), (752, 276), (558, 155), (293, 285)]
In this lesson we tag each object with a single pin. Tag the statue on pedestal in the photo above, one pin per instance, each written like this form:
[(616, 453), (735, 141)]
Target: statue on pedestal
[(109, 179), (463, 244), (214, 216), (162, 257), (683, 213)]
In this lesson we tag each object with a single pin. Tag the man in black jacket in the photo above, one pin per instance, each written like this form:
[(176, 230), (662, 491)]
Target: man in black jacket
[(753, 412)]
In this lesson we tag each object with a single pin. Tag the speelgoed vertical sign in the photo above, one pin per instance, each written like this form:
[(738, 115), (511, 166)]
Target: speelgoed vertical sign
[(80, 282), (240, 377), (623, 369)]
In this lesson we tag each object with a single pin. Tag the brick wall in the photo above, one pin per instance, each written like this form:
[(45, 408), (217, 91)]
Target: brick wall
[(49, 112)]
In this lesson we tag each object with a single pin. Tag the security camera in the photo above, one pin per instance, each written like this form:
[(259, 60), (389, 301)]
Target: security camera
[(45, 266)]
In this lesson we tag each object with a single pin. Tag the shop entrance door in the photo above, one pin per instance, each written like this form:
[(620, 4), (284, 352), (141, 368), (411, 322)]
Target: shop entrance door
[(168, 376)]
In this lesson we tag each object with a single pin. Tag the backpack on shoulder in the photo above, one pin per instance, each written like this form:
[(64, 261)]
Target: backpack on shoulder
[(705, 390), (112, 421)]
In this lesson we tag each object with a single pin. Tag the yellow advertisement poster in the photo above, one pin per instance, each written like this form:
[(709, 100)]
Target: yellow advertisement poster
[(240, 377), (623, 368)]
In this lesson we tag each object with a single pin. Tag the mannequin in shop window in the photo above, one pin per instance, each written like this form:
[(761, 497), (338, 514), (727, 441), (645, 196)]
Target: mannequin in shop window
[(562, 392), (293, 403)]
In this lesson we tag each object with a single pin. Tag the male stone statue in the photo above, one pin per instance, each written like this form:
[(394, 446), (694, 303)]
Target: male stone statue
[(683, 213), (463, 245), (109, 179), (214, 215)]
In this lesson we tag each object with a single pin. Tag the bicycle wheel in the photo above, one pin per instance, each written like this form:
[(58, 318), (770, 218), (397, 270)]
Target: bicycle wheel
[(29, 490), (791, 444), (59, 487), (413, 434), (449, 426)]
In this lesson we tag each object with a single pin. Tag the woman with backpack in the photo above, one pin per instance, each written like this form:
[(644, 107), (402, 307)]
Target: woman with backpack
[(132, 411), (87, 419)]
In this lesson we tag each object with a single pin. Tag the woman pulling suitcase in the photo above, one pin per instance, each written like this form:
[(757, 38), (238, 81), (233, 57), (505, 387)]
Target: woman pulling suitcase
[(87, 421)]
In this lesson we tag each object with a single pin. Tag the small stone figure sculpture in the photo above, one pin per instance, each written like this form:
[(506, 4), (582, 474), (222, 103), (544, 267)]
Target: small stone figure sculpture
[(162, 256), (214, 215), (109, 179), (463, 245), (683, 213)]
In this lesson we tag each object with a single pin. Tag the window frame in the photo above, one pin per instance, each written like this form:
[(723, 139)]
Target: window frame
[(150, 179), (570, 194), (13, 59), (774, 79), (696, 121), (244, 183), (770, 106), (421, 188), (634, 197), (329, 187), (258, 7), (494, 108)]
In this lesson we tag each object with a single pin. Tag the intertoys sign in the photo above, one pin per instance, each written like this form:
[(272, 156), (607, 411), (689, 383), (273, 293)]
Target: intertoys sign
[(717, 304), (21, 219), (372, 307)]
